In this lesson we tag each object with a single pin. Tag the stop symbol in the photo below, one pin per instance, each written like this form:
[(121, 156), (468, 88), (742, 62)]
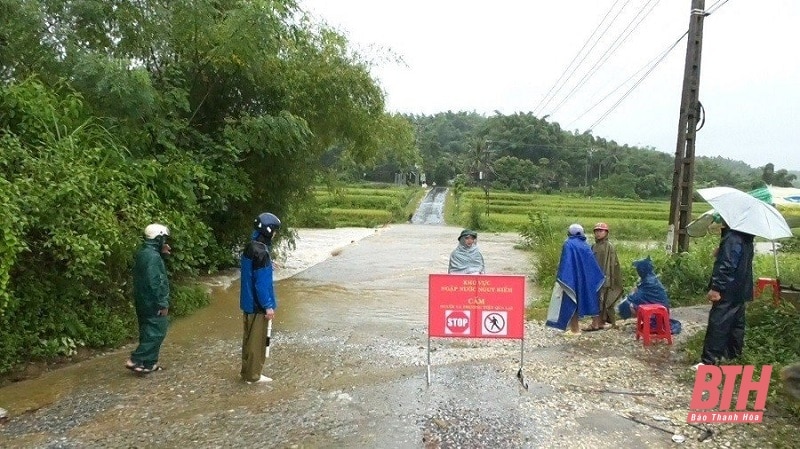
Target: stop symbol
[(457, 322)]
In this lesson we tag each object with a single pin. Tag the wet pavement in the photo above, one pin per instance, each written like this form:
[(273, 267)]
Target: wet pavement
[(348, 357)]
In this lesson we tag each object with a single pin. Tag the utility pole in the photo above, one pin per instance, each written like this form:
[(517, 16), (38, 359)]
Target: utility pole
[(589, 170), (680, 212)]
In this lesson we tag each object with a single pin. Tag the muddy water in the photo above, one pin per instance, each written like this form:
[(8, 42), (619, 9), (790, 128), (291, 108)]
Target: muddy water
[(349, 362), (348, 355)]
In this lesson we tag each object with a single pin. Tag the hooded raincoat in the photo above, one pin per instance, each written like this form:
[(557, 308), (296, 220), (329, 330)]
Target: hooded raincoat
[(578, 281), (732, 277), (151, 294), (649, 290)]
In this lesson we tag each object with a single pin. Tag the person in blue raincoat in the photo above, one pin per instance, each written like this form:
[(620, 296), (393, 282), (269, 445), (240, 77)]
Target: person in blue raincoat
[(578, 281), (649, 290), (257, 296)]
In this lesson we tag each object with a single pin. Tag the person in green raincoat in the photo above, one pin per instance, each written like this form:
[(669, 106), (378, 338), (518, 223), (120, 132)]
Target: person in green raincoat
[(606, 257), (151, 298)]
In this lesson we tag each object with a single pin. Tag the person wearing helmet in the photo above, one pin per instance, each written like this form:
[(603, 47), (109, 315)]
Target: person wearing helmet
[(606, 257), (578, 280), (151, 297), (257, 296), (466, 258)]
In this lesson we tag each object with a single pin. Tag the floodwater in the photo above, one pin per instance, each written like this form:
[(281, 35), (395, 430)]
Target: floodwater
[(348, 358), (431, 208)]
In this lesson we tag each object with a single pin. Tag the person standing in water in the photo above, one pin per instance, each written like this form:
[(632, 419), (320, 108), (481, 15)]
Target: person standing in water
[(257, 296)]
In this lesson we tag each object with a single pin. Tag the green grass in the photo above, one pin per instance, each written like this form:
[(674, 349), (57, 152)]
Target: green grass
[(360, 205)]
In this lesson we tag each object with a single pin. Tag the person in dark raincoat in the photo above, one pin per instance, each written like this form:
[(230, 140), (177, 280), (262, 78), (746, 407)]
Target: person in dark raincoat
[(578, 282), (729, 289), (606, 257), (466, 258), (151, 298), (257, 296), (649, 290)]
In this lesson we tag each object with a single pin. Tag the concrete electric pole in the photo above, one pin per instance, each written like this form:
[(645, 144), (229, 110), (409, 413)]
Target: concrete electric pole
[(680, 212)]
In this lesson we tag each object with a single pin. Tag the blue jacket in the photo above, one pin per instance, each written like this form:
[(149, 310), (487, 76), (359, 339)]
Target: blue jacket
[(258, 291)]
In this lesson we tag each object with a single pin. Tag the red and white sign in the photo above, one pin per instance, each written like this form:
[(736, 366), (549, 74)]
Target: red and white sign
[(456, 322), (476, 306)]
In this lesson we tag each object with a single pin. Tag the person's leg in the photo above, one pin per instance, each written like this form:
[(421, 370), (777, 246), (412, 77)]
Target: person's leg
[(609, 315), (254, 344), (136, 355), (720, 320), (152, 332), (574, 326), (736, 336)]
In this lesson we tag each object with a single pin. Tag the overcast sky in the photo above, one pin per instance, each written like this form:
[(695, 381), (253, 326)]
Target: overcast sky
[(509, 55)]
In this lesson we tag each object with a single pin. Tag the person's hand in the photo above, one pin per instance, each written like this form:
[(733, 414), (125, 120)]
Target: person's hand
[(276, 265), (163, 312), (713, 296), (270, 314)]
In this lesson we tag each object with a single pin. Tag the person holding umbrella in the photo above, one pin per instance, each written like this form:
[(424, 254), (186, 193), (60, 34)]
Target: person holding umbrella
[(257, 297), (730, 287)]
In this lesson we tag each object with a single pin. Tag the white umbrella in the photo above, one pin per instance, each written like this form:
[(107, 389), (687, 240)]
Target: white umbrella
[(747, 214)]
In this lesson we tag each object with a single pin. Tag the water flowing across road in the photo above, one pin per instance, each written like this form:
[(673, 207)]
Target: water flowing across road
[(348, 358)]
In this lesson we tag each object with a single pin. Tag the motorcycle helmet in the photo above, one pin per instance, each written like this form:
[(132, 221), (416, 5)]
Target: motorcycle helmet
[(267, 224)]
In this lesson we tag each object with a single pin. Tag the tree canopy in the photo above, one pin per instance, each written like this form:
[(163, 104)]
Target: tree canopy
[(198, 114)]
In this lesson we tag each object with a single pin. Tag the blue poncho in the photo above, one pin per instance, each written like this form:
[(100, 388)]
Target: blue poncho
[(578, 281), (649, 290)]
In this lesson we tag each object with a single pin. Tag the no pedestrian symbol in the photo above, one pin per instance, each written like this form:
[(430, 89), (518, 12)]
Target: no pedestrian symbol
[(456, 322), (494, 323)]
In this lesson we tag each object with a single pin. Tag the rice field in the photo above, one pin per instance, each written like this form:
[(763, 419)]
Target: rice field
[(362, 205)]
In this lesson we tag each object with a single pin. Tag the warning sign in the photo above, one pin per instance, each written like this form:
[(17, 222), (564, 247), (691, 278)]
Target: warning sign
[(456, 322), (476, 306), (494, 324)]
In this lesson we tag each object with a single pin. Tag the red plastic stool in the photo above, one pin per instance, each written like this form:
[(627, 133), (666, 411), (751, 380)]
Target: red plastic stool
[(662, 329), (763, 283)]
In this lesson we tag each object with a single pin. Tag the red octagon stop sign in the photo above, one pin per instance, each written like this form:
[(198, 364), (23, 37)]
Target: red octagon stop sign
[(457, 323)]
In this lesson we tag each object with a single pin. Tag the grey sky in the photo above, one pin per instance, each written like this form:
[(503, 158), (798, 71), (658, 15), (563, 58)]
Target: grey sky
[(506, 55)]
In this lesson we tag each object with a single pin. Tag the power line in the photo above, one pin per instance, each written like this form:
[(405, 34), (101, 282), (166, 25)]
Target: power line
[(612, 48), (542, 104), (711, 9), (648, 64), (611, 109)]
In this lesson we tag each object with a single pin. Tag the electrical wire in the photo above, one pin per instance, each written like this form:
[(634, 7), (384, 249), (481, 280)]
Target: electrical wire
[(614, 106), (711, 9), (622, 84), (612, 48), (542, 103)]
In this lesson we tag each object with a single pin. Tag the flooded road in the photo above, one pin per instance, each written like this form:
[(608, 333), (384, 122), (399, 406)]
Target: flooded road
[(430, 210), (348, 357)]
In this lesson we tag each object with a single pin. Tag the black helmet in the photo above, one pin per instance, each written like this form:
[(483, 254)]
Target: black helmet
[(267, 224)]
